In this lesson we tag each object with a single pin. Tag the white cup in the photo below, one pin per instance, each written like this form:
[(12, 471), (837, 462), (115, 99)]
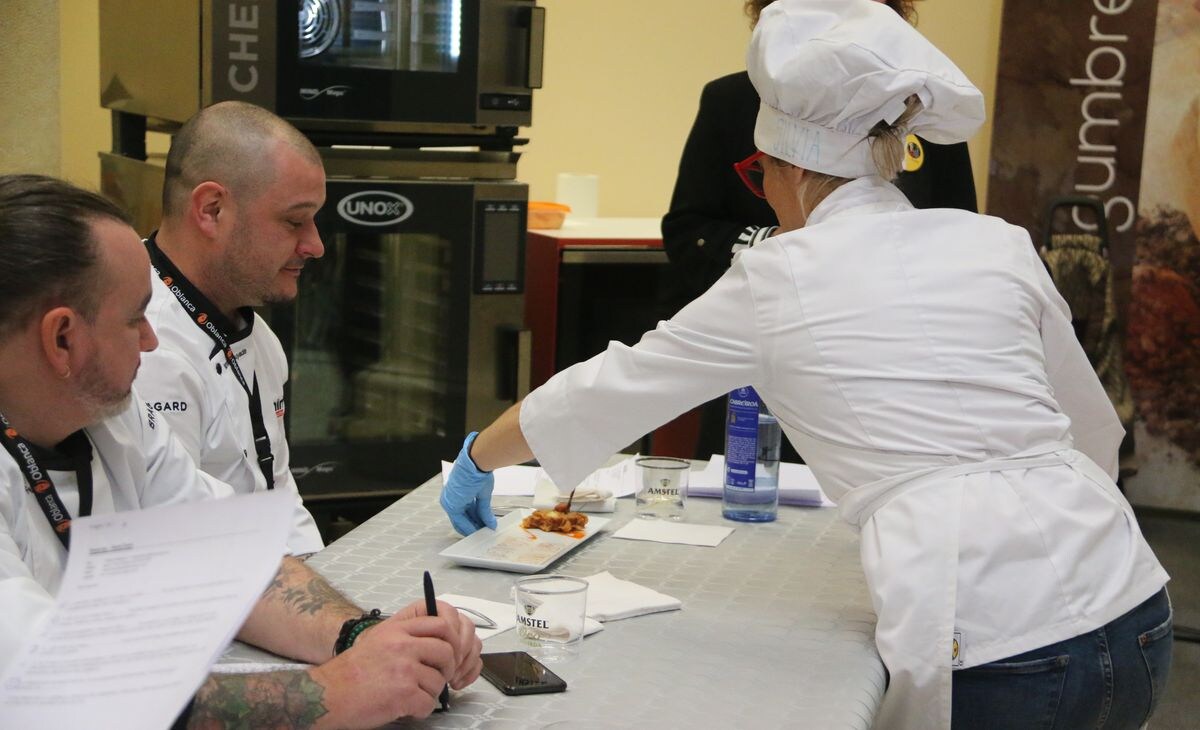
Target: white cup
[(581, 192)]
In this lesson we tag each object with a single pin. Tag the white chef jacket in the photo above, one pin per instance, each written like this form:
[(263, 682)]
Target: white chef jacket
[(923, 364), (135, 464), (186, 380)]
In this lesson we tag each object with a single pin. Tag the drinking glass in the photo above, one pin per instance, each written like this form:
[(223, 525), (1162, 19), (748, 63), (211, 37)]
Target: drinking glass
[(550, 615), (662, 487)]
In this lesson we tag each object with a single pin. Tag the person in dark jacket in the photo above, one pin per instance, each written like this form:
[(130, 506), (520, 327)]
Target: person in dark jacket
[(713, 215)]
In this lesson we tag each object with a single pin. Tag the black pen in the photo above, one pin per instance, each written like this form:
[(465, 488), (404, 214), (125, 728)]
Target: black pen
[(431, 609)]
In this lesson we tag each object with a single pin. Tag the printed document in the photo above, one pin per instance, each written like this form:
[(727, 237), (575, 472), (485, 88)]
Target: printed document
[(148, 601)]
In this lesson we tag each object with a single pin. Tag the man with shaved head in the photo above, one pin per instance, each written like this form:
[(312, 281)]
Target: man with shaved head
[(241, 192), (242, 187)]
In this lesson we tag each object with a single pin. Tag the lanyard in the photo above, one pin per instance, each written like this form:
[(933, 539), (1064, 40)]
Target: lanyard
[(41, 486), (212, 322)]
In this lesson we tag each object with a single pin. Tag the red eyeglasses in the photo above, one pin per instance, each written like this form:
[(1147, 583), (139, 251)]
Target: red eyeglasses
[(750, 170)]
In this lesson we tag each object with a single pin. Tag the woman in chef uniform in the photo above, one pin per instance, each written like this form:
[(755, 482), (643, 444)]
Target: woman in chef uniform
[(925, 368)]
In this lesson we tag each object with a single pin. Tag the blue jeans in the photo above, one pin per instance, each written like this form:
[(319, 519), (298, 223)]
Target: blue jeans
[(1112, 677)]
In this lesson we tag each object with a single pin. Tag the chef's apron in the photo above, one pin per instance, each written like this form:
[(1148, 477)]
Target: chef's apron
[(917, 649)]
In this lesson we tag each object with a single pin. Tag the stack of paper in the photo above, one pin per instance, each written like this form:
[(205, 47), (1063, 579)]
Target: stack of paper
[(797, 485)]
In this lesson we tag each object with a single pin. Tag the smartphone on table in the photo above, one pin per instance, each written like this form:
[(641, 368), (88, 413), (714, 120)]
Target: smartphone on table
[(518, 673)]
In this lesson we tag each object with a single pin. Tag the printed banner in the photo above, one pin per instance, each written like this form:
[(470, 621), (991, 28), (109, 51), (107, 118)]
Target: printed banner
[(1100, 99), (1070, 115), (1163, 347)]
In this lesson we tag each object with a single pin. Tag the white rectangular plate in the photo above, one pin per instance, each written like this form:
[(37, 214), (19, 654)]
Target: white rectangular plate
[(509, 547)]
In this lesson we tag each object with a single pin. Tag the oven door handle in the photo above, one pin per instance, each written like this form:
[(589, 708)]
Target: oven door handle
[(514, 364), (524, 362), (536, 51)]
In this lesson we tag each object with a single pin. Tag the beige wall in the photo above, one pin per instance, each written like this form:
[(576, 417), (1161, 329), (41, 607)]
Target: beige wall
[(87, 128), (29, 70), (622, 82), (968, 31)]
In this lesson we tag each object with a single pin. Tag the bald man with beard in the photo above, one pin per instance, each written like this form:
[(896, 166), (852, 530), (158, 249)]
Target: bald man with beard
[(241, 192)]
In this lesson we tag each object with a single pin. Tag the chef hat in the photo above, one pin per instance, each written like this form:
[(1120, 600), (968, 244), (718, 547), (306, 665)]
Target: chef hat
[(827, 71)]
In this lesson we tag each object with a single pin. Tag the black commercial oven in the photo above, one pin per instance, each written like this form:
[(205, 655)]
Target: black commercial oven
[(408, 333), (464, 67)]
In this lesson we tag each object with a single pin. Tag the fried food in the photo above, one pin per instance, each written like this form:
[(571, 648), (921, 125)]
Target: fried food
[(548, 520)]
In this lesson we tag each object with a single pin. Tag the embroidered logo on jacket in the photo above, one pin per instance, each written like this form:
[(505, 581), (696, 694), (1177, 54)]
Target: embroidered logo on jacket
[(178, 406)]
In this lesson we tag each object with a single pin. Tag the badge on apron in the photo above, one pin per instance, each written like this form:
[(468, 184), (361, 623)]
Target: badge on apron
[(914, 153), (956, 652)]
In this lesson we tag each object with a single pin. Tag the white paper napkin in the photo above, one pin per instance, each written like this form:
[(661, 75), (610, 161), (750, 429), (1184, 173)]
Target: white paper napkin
[(591, 499), (674, 532), (797, 485), (504, 615), (610, 598)]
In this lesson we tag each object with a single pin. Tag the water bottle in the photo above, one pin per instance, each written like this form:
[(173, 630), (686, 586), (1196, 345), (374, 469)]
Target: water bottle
[(752, 434)]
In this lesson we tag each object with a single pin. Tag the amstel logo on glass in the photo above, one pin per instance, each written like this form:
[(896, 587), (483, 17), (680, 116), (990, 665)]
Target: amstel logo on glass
[(375, 208)]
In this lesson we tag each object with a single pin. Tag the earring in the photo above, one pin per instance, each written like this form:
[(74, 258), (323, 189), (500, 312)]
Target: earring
[(67, 374)]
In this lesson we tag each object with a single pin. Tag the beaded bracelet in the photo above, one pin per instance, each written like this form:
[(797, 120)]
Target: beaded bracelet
[(355, 626)]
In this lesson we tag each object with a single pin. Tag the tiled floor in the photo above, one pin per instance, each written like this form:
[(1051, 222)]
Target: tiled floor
[(1176, 540)]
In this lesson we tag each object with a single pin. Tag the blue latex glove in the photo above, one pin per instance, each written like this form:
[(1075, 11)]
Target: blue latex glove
[(467, 495)]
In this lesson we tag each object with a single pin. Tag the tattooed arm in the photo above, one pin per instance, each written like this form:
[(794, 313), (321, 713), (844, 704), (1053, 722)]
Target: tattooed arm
[(299, 615), (266, 700), (395, 669)]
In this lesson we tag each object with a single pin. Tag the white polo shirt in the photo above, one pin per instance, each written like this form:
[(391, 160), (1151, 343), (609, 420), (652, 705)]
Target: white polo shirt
[(134, 464), (188, 382)]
